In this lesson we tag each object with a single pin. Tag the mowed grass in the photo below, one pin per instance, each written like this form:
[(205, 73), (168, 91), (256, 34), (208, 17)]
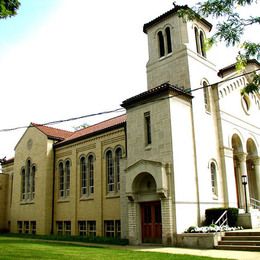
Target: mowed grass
[(18, 248)]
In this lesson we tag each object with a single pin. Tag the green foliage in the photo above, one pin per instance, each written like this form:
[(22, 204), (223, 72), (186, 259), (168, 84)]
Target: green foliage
[(230, 29), (8, 8), (83, 239), (213, 214)]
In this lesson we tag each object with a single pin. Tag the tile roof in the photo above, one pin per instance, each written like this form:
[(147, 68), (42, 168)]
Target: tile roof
[(53, 133), (233, 67), (170, 12), (154, 92), (94, 129)]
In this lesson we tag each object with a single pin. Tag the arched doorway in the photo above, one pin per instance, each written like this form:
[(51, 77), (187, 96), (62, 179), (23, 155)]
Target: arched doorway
[(144, 187), (253, 178), (237, 158)]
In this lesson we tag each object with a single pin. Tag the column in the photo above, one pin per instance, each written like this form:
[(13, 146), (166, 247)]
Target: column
[(257, 177), (243, 171), (132, 223), (167, 221)]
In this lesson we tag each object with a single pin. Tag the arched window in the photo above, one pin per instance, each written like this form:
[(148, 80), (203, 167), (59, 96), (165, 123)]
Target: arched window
[(67, 181), (27, 178), (161, 44), (33, 181), (23, 183), (61, 180), (197, 40), (169, 40), (118, 156), (213, 171), (83, 176), (91, 173), (28, 181), (206, 96), (110, 171), (203, 53)]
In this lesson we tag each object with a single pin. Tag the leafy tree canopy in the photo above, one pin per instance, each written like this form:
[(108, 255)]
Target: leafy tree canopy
[(230, 29), (8, 8)]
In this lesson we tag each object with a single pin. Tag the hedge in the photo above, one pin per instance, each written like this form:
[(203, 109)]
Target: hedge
[(213, 214)]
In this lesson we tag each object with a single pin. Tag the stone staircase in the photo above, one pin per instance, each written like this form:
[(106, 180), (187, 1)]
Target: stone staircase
[(242, 240)]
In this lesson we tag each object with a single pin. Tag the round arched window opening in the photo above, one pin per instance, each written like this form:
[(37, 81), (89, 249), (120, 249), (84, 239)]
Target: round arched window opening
[(246, 104)]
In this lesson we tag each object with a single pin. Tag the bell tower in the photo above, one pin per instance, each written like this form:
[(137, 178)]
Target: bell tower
[(176, 52)]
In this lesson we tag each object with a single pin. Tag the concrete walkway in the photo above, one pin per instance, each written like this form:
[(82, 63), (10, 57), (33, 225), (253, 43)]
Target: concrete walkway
[(226, 254)]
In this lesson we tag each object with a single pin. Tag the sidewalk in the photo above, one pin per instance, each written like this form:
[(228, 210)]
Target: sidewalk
[(227, 254)]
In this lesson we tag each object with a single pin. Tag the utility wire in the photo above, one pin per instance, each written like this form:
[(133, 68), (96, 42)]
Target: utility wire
[(122, 109), (64, 120)]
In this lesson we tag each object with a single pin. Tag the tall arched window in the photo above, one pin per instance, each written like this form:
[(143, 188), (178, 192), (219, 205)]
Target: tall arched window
[(110, 171), (28, 175), (197, 40), (83, 176), (206, 96), (67, 181), (169, 40), (118, 156), (203, 53), (28, 181), (213, 171), (161, 44), (33, 181), (61, 180), (91, 173), (23, 183)]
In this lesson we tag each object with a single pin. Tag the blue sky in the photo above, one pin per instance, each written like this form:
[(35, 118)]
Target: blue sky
[(68, 58), (31, 14)]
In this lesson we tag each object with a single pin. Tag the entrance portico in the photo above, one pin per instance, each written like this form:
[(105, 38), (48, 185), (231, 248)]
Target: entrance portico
[(149, 203)]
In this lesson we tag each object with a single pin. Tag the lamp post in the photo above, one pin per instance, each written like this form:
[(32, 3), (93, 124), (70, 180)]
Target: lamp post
[(244, 182)]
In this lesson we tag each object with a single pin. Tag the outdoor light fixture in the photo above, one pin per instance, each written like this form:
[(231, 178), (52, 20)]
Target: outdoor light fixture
[(244, 182)]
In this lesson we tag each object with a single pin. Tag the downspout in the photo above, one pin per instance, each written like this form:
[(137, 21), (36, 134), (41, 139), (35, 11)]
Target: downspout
[(196, 167), (53, 190)]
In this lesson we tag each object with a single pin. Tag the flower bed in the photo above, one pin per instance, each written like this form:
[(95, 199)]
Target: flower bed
[(211, 229)]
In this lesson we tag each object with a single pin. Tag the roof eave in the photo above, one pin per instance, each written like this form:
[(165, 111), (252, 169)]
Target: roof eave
[(77, 139), (146, 26)]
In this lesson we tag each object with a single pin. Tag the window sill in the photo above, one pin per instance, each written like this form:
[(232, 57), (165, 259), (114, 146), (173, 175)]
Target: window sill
[(148, 147), (61, 200), (26, 202), (165, 56), (85, 198), (215, 197), (113, 195)]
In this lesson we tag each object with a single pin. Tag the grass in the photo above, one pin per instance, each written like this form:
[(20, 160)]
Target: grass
[(18, 248)]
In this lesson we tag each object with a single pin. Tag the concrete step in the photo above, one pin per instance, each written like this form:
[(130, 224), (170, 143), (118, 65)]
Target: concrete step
[(243, 240), (239, 242), (256, 238), (243, 233), (239, 247)]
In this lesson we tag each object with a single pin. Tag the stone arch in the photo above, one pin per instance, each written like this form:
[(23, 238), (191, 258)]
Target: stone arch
[(144, 187), (252, 169), (238, 159)]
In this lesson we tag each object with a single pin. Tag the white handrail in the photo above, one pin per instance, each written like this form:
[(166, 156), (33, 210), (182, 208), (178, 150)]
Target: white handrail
[(223, 219), (255, 203)]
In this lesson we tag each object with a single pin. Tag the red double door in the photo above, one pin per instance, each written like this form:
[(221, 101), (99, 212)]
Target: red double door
[(151, 222)]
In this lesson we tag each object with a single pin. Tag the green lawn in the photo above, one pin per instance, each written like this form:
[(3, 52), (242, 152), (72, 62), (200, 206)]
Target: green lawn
[(18, 248)]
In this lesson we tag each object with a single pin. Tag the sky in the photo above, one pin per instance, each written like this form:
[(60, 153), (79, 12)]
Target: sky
[(62, 59)]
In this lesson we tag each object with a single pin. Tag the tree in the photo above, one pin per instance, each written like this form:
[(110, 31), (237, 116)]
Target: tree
[(229, 29), (8, 8)]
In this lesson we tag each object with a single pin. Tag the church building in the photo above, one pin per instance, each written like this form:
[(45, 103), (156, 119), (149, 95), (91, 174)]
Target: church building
[(181, 147)]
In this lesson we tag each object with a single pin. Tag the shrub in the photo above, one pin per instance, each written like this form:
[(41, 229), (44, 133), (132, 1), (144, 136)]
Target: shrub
[(213, 214), (83, 239)]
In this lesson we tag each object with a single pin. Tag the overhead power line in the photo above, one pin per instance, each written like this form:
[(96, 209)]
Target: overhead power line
[(122, 109), (65, 120)]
